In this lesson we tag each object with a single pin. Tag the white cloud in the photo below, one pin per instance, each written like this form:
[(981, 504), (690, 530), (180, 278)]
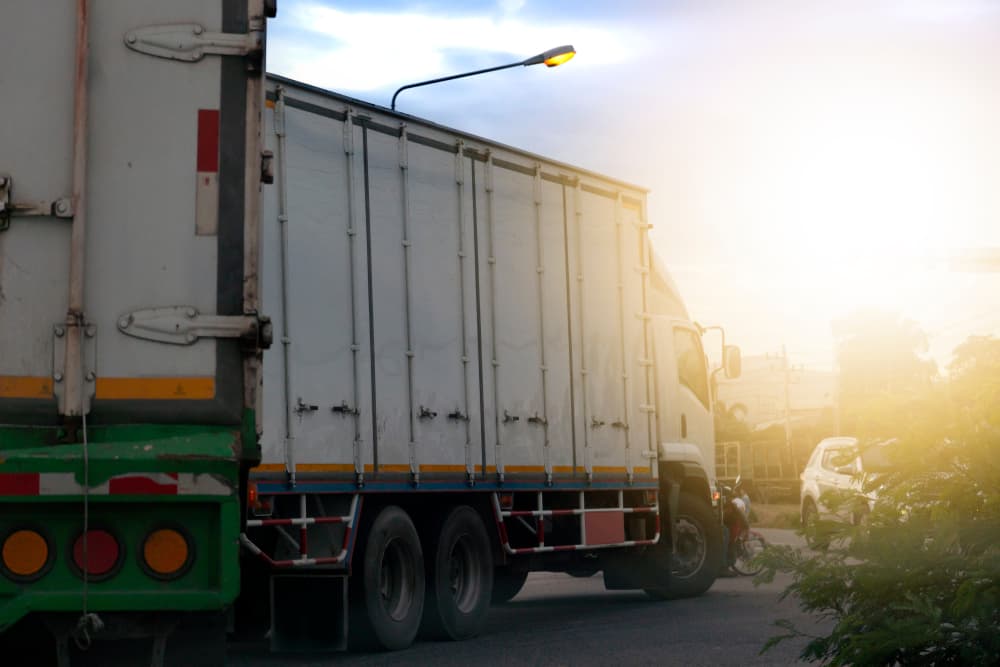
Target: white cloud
[(373, 50), (511, 6)]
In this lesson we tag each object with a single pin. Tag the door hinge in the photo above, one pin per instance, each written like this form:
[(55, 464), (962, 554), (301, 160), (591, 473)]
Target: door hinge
[(57, 208), (189, 42), (184, 325)]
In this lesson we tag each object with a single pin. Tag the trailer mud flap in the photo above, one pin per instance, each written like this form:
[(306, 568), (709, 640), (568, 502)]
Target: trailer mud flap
[(308, 612)]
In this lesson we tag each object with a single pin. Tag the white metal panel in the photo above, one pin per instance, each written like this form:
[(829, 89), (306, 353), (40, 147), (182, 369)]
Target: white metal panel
[(273, 390), (142, 248), (638, 338), (601, 330), (518, 361), (389, 293), (485, 289), (36, 71), (437, 310), (320, 287), (559, 347)]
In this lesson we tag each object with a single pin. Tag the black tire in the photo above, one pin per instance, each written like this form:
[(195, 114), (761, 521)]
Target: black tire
[(810, 519), (459, 576), (392, 583), (507, 583), (698, 551), (746, 551)]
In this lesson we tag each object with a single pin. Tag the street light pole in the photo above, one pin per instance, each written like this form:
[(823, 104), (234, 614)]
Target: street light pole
[(551, 58)]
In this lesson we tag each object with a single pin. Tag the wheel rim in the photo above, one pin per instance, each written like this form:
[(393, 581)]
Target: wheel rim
[(691, 549), (464, 576), (397, 579)]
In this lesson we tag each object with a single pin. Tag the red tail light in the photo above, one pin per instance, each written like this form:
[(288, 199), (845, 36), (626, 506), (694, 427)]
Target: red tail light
[(102, 556)]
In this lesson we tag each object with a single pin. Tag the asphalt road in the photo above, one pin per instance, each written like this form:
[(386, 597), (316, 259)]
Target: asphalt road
[(559, 620)]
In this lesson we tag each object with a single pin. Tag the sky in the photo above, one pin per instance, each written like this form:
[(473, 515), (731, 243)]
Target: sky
[(804, 158)]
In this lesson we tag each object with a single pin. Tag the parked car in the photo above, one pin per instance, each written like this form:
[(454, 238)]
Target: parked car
[(837, 465)]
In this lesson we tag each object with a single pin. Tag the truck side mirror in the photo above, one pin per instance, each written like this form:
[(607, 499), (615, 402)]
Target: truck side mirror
[(732, 362)]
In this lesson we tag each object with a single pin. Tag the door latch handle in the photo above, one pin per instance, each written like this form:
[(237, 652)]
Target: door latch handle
[(301, 406), (344, 409)]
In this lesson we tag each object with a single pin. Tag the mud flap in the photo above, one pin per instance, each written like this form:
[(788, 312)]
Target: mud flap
[(650, 568), (634, 570), (308, 612)]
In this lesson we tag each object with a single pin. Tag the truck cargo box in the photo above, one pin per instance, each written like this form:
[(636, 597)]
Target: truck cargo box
[(448, 306), (143, 152)]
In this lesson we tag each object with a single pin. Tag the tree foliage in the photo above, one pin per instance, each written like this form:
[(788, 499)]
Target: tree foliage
[(880, 356), (919, 582)]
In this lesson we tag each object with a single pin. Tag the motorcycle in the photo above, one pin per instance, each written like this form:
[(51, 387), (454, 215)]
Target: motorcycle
[(743, 544)]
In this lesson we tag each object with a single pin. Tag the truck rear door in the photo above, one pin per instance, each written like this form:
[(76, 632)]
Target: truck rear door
[(161, 109)]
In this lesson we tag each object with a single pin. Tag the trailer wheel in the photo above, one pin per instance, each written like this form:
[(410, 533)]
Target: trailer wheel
[(459, 576), (507, 583), (392, 581), (697, 553)]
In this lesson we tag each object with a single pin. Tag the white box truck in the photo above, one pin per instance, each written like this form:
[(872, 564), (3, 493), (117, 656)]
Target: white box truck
[(483, 371), (478, 368)]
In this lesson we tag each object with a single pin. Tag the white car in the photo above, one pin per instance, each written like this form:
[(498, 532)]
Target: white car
[(833, 468)]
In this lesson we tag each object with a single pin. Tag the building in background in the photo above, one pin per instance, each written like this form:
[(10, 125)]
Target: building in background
[(770, 419)]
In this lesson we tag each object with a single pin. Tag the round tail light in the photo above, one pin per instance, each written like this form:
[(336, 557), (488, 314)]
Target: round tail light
[(166, 553), (97, 553), (25, 555)]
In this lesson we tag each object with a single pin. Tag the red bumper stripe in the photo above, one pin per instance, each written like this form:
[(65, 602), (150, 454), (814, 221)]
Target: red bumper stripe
[(19, 484), (139, 485)]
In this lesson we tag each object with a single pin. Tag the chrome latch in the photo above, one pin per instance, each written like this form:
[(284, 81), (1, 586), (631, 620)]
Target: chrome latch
[(189, 42), (184, 325), (57, 208)]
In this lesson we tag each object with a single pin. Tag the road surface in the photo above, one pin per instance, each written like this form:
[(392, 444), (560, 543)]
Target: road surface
[(559, 620)]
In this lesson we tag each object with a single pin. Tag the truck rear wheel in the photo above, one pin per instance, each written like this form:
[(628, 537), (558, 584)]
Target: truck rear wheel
[(697, 551), (459, 576), (507, 583), (392, 581)]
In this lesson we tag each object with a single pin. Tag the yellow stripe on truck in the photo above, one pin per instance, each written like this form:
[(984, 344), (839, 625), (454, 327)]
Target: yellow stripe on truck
[(156, 389), (15, 386)]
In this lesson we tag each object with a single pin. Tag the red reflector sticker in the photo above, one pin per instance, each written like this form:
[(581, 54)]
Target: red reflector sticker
[(102, 553), (208, 140), (206, 197)]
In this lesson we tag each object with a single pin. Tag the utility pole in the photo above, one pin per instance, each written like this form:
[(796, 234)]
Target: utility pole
[(788, 406)]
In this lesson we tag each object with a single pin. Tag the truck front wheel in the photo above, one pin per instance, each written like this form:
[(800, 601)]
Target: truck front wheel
[(459, 576), (698, 548), (392, 581), (697, 551)]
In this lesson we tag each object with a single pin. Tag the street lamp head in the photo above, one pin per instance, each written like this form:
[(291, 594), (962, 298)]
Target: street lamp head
[(552, 57)]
